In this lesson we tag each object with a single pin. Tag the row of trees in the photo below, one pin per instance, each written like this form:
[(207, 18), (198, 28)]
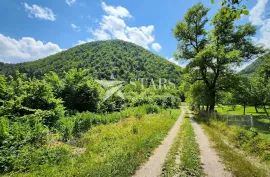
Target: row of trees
[(76, 91), (252, 90), (255, 89)]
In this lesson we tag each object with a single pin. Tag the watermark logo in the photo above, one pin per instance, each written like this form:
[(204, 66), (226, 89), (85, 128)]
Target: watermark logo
[(115, 87)]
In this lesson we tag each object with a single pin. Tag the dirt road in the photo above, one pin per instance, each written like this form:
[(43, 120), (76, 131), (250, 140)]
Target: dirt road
[(153, 167), (211, 162)]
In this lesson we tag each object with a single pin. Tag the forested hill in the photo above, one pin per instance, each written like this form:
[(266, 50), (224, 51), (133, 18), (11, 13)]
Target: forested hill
[(253, 66), (124, 60)]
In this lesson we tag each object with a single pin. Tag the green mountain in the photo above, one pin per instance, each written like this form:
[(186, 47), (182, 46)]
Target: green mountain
[(256, 64), (124, 60)]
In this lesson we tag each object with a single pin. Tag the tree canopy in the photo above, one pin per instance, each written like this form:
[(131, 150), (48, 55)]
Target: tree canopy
[(211, 54)]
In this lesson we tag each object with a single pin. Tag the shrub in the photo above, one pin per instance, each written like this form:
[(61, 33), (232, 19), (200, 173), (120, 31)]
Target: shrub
[(82, 122), (142, 101), (80, 92), (17, 137), (151, 109), (4, 129), (65, 127)]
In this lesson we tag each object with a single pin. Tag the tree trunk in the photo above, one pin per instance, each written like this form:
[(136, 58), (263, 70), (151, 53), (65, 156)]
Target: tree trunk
[(256, 109), (265, 110), (244, 108), (212, 101)]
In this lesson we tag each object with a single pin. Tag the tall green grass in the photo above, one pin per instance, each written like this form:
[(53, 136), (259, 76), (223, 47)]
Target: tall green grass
[(111, 150), (73, 127), (237, 163), (229, 140)]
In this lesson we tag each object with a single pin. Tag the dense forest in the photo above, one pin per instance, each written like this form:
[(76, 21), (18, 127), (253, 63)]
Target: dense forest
[(125, 60)]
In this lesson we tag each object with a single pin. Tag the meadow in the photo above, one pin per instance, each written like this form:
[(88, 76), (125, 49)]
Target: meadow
[(261, 121), (115, 149)]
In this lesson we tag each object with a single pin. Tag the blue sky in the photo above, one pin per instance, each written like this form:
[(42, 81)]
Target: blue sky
[(33, 29)]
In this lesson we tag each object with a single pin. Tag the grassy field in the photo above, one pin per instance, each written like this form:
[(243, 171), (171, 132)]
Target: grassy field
[(183, 158), (245, 152), (239, 110), (110, 150), (261, 121)]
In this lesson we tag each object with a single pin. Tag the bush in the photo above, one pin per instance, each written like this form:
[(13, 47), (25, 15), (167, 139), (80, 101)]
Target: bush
[(82, 123), (4, 129), (17, 137), (50, 117), (139, 101), (65, 127), (80, 92), (166, 101), (111, 118), (151, 109)]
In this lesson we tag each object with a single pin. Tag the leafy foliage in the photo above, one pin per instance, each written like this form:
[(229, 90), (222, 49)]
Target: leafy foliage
[(211, 54), (237, 10), (38, 116), (112, 150)]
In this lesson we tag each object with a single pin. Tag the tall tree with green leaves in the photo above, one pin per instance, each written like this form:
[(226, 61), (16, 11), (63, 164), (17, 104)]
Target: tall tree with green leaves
[(211, 54), (236, 10), (261, 85), (242, 92)]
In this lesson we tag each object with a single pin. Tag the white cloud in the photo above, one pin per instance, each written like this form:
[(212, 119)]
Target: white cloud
[(100, 35), (118, 11), (83, 42), (113, 26), (142, 36), (75, 27), (182, 63), (70, 2), (156, 46), (265, 34), (258, 17), (25, 49), (256, 13), (39, 12)]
